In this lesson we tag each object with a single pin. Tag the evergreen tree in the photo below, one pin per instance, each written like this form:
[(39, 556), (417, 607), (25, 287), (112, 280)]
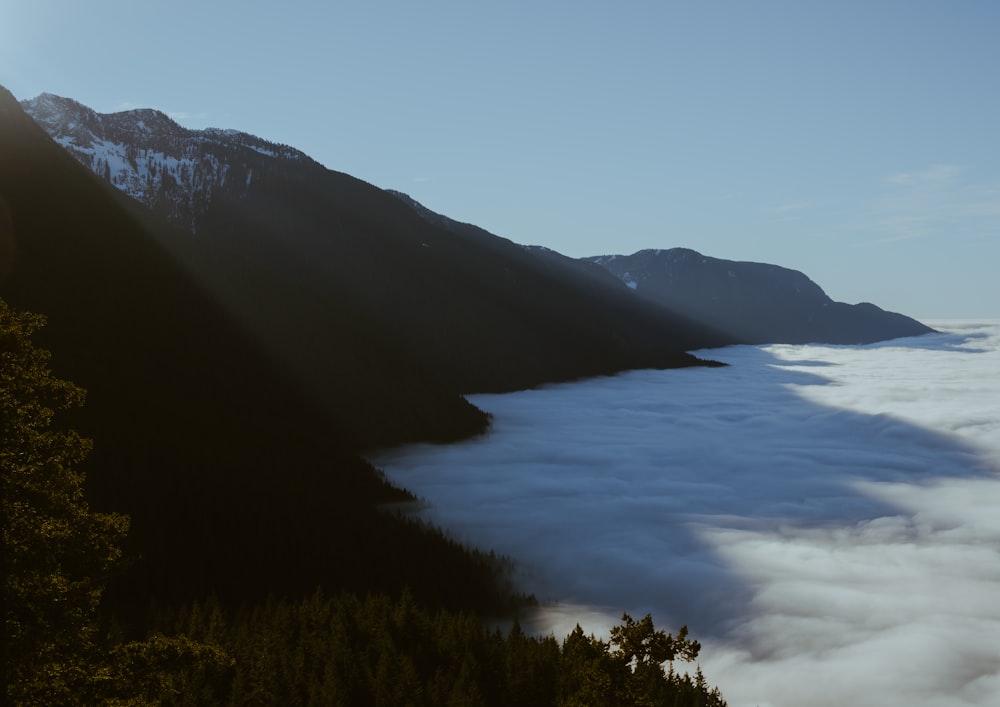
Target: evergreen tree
[(639, 641), (56, 550), (57, 554)]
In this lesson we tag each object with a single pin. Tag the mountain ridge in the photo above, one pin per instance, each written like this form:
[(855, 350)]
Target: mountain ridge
[(755, 303), (473, 309), (238, 480), (149, 156), (203, 180)]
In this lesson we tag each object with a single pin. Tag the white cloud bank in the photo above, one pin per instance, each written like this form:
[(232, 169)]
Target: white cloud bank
[(825, 519)]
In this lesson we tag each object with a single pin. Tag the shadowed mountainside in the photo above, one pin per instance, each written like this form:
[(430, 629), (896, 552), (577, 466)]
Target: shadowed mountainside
[(727, 302), (753, 303), (235, 368), (237, 481), (299, 249)]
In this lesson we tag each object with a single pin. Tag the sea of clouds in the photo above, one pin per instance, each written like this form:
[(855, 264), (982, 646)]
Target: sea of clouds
[(825, 519)]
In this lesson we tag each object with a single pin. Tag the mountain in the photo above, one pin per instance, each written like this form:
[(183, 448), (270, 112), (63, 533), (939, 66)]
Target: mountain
[(579, 276), (259, 269), (753, 303), (245, 321), (151, 158), (729, 302), (320, 264), (238, 479)]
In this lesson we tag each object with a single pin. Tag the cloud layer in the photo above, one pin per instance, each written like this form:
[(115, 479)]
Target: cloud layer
[(825, 519)]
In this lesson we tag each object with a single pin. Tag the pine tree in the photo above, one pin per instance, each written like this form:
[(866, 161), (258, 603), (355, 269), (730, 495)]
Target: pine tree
[(57, 554), (56, 550)]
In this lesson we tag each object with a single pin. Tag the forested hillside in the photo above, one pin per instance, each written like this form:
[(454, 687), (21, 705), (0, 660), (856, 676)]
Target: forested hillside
[(236, 480), (226, 479)]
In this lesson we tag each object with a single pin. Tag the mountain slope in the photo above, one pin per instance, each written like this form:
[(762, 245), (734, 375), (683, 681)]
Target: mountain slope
[(376, 392), (298, 250), (151, 158), (753, 303), (238, 481), (615, 298)]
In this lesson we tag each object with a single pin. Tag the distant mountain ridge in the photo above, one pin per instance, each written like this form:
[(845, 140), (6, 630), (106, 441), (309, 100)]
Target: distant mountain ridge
[(740, 302), (754, 303)]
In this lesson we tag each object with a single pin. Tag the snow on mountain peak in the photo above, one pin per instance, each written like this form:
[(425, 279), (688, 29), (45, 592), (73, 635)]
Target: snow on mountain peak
[(153, 159)]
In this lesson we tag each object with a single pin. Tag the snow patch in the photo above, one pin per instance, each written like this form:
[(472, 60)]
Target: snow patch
[(152, 159), (630, 281)]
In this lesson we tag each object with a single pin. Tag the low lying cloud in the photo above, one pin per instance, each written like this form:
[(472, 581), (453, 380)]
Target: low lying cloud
[(826, 520)]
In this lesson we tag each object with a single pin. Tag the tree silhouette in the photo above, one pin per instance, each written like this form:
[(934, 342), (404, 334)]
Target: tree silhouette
[(56, 551), (641, 642)]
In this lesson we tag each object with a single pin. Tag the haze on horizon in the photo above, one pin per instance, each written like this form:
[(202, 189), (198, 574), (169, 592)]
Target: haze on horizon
[(854, 142)]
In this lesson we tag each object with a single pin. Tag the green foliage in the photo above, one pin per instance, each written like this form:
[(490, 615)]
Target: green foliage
[(628, 669), (166, 670), (56, 551), (380, 651), (57, 554), (639, 641)]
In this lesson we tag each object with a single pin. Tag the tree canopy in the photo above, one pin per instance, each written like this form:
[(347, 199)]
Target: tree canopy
[(56, 550)]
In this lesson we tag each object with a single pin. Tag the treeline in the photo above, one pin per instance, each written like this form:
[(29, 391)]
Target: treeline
[(350, 651)]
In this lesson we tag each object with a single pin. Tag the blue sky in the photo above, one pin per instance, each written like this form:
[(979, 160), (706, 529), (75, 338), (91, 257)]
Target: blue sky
[(855, 141)]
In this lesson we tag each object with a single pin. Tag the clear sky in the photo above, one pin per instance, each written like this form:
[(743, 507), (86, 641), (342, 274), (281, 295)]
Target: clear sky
[(858, 142)]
